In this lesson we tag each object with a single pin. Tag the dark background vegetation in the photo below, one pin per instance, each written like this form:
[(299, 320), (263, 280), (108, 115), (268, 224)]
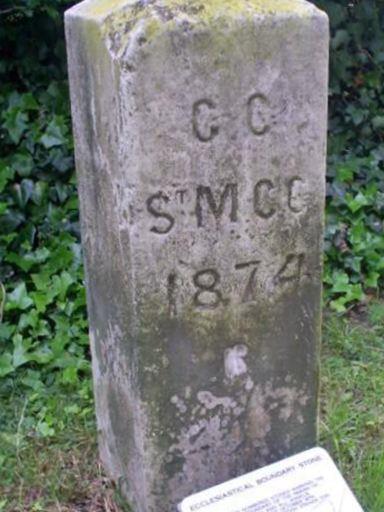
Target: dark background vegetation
[(43, 332)]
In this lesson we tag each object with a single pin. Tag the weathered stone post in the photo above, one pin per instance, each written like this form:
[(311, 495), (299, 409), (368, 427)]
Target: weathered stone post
[(200, 130)]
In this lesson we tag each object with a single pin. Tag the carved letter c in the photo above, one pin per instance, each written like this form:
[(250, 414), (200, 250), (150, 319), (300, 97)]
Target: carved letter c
[(201, 134)]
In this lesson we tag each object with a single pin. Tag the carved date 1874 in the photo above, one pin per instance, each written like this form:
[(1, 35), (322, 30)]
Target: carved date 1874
[(209, 292)]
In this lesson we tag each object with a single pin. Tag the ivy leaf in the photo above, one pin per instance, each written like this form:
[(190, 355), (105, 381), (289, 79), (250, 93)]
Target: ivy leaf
[(18, 299), (378, 122), (357, 202), (45, 430), (357, 114), (62, 283), (6, 174), (6, 365), (20, 351), (70, 375), (42, 356), (41, 280), (42, 300), (40, 192), (22, 192), (16, 123), (23, 164), (371, 280), (6, 331), (341, 38), (338, 305), (344, 173), (11, 220), (28, 102), (55, 134), (340, 282), (26, 262), (32, 379)]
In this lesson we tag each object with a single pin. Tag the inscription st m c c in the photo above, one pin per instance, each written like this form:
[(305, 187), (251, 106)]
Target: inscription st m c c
[(268, 199)]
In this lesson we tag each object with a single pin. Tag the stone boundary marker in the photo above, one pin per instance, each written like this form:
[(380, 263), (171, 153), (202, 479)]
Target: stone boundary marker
[(200, 131), (308, 481)]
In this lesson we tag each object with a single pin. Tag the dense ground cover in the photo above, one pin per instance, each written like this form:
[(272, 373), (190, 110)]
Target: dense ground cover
[(354, 242), (45, 390)]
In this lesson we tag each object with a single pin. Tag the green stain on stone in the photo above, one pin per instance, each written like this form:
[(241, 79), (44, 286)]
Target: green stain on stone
[(198, 9), (118, 19)]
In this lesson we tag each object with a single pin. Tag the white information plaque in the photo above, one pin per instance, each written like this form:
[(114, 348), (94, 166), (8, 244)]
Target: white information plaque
[(308, 482)]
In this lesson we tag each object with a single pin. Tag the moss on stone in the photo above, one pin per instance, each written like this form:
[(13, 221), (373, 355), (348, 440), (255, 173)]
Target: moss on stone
[(199, 10), (98, 8), (207, 11), (130, 23)]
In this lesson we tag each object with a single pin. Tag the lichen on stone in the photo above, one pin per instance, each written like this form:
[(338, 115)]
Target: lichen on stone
[(197, 9)]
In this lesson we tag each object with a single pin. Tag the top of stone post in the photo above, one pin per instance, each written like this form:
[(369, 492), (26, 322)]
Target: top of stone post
[(191, 10)]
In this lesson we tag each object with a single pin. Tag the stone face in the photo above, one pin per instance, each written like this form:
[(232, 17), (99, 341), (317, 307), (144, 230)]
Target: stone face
[(200, 150)]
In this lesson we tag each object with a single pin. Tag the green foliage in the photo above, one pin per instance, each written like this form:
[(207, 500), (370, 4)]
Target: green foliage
[(43, 333), (354, 235)]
